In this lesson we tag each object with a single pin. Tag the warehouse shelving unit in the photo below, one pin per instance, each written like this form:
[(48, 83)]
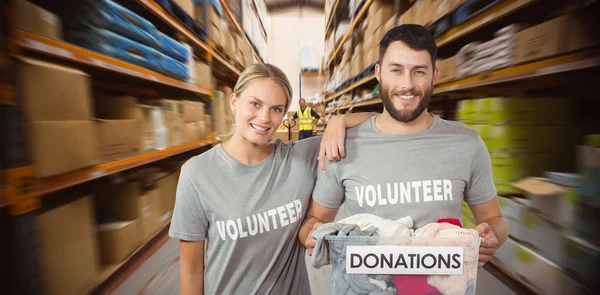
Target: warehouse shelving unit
[(21, 192), (518, 79), (55, 183), (329, 25), (353, 25), (28, 41), (263, 31), (239, 29), (554, 65), (164, 16)]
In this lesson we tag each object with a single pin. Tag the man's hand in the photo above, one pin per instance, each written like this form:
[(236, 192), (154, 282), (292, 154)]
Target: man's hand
[(310, 242), (332, 143), (488, 246)]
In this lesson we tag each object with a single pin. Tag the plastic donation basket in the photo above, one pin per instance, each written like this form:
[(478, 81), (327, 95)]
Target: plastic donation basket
[(411, 265)]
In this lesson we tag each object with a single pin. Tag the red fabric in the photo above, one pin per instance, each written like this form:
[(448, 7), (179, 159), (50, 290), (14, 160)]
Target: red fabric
[(413, 285), (452, 221), (417, 284)]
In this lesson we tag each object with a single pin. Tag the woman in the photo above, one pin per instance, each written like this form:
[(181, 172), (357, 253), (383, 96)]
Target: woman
[(240, 205)]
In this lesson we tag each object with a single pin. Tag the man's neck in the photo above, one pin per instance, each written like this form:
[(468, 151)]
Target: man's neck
[(302, 109), (385, 123)]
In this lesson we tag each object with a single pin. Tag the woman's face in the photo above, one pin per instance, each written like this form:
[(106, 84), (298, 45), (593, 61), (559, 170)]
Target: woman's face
[(259, 110)]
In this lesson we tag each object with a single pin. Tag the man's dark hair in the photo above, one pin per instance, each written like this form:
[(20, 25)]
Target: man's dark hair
[(414, 36)]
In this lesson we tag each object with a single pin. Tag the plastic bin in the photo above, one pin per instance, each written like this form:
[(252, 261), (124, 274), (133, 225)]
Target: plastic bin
[(416, 266)]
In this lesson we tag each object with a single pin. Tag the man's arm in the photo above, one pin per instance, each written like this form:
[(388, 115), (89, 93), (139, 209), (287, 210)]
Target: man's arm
[(491, 226), (191, 267), (316, 216)]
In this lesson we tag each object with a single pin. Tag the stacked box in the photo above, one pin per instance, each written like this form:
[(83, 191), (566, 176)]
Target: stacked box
[(525, 136)]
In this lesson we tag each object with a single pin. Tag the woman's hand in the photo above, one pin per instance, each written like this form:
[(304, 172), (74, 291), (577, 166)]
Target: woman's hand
[(332, 143)]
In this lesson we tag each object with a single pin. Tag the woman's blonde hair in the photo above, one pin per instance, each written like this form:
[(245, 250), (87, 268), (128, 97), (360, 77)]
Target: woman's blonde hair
[(264, 71)]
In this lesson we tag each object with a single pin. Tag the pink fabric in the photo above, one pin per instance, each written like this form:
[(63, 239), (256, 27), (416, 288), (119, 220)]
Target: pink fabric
[(417, 284)]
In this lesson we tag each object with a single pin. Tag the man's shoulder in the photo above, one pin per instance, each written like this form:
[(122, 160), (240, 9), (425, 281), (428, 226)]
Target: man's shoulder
[(455, 127)]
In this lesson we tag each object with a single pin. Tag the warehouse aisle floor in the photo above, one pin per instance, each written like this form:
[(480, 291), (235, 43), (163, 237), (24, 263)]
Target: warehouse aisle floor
[(159, 274)]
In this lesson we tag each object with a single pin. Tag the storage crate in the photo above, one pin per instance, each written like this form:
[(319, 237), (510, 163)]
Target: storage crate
[(361, 265)]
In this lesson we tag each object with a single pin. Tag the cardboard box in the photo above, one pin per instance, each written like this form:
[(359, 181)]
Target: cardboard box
[(155, 134), (203, 75), (383, 15), (440, 8), (581, 30), (50, 92), (192, 111), (555, 203), (168, 189), (187, 6), (191, 132), (208, 121), (408, 17), (447, 69), (544, 40), (510, 138), (118, 138), (202, 130), (214, 33), (173, 112), (389, 25), (58, 147), (115, 240), (36, 20), (118, 108), (422, 14), (201, 11), (68, 246), (148, 205)]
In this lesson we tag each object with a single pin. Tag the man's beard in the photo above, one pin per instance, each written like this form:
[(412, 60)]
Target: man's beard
[(406, 115)]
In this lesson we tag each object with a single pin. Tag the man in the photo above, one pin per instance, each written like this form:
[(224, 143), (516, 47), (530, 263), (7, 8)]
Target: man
[(406, 161), (308, 120)]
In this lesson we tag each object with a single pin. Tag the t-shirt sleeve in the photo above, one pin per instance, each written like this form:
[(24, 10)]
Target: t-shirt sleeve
[(329, 190), (481, 186), (309, 151), (189, 221), (295, 115)]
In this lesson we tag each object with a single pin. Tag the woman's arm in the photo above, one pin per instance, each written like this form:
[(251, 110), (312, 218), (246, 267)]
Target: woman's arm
[(333, 142), (191, 267)]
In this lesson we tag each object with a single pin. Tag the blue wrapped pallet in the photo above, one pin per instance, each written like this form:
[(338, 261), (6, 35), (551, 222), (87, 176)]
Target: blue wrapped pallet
[(112, 44), (172, 68), (172, 48), (112, 16)]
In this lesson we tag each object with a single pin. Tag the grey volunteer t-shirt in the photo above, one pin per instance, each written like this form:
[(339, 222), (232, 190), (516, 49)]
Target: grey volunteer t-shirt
[(425, 175), (249, 217)]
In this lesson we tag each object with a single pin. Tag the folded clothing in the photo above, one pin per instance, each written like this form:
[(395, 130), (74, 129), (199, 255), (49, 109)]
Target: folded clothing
[(452, 235), (344, 283)]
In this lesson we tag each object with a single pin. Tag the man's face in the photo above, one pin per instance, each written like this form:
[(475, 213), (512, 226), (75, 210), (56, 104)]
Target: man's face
[(302, 103), (406, 78)]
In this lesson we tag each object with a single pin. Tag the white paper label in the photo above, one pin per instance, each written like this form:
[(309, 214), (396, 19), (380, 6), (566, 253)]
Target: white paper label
[(409, 260), (145, 211)]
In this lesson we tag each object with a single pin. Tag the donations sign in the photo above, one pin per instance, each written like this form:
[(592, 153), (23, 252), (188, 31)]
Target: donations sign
[(404, 260)]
